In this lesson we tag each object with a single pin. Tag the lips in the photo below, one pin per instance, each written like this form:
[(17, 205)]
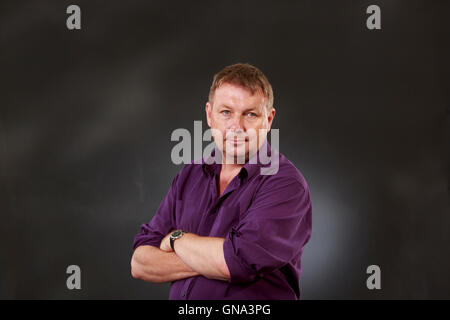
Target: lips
[(238, 140)]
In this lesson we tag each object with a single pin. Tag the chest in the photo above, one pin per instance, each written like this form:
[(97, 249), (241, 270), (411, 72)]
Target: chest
[(222, 184), (199, 210), (224, 179)]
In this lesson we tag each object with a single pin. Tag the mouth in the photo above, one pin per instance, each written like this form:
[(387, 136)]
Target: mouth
[(238, 141)]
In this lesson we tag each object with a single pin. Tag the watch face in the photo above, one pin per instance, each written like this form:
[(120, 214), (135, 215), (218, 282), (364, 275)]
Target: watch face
[(176, 234)]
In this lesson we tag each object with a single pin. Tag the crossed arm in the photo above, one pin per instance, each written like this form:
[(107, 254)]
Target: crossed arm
[(195, 255)]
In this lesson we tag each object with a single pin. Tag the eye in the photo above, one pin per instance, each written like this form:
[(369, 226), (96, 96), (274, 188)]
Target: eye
[(225, 112), (251, 114)]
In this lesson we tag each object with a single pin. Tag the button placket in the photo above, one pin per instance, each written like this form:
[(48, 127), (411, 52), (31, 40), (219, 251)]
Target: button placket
[(184, 290)]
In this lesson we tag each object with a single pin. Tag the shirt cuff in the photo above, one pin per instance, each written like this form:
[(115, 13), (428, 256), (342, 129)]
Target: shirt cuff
[(240, 271), (145, 240)]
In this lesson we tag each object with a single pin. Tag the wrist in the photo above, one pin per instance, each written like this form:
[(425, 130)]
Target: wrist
[(174, 236)]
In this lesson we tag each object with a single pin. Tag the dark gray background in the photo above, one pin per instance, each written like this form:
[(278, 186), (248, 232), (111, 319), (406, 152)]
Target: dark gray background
[(86, 118)]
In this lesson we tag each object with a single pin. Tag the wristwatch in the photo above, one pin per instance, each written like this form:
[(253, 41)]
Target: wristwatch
[(174, 236)]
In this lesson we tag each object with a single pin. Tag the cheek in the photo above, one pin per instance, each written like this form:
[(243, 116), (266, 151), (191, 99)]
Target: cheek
[(256, 125), (217, 133), (218, 124)]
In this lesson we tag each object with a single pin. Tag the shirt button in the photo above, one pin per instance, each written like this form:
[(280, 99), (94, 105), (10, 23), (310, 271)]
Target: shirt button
[(183, 294)]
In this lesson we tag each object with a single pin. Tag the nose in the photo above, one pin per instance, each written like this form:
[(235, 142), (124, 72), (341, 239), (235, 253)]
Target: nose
[(237, 123)]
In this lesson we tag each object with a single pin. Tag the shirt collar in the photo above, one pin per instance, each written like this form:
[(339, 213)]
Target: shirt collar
[(251, 167)]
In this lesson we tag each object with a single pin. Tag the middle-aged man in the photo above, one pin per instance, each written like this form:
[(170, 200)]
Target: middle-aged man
[(225, 230)]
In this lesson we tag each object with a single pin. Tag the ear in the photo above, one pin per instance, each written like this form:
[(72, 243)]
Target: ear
[(208, 110), (270, 117)]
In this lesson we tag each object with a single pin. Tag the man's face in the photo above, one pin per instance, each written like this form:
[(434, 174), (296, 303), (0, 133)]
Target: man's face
[(239, 121)]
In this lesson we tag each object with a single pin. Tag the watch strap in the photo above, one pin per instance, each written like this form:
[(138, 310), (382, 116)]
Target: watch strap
[(172, 240)]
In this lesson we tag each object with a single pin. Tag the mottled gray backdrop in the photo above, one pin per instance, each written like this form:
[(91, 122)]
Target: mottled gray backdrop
[(86, 118)]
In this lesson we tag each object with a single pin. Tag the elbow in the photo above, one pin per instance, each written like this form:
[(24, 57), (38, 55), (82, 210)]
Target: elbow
[(143, 272), (138, 266), (225, 271), (135, 269), (135, 274)]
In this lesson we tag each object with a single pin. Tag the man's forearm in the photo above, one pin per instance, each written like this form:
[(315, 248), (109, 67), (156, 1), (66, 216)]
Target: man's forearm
[(204, 255), (155, 265)]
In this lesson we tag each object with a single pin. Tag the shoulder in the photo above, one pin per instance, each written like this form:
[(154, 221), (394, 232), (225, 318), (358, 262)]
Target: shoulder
[(189, 172), (289, 171), (288, 176), (190, 168)]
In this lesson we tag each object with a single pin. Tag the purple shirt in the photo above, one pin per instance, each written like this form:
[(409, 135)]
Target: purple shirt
[(266, 221)]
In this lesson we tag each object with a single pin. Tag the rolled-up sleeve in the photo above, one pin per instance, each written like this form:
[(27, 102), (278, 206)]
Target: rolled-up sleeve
[(162, 222), (272, 232)]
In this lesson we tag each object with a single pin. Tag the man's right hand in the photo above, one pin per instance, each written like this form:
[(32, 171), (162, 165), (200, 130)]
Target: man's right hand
[(165, 243)]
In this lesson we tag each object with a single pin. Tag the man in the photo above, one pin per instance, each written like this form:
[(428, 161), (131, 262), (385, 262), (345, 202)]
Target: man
[(224, 229)]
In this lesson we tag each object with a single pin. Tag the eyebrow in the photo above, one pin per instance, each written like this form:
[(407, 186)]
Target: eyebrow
[(246, 110)]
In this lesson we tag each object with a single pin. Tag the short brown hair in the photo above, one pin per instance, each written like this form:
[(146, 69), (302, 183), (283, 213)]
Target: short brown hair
[(246, 76)]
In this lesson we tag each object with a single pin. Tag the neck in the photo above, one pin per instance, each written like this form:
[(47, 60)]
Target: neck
[(230, 167)]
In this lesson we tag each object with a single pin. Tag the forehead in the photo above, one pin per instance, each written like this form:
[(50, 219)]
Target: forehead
[(238, 97)]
